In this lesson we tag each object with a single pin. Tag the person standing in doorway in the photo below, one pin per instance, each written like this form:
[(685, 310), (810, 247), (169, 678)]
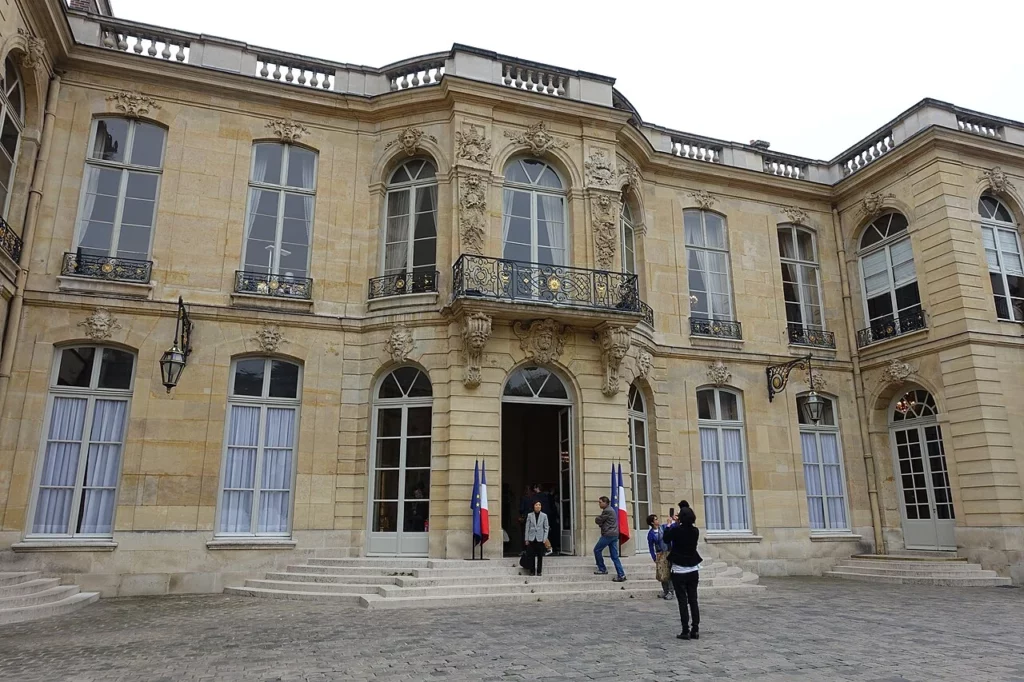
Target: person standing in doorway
[(656, 544), (609, 526), (537, 528), (685, 569)]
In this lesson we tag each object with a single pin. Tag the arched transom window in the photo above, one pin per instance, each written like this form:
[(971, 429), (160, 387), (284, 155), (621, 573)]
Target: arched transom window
[(533, 224), (723, 460), (410, 240), (1003, 254), (892, 302), (12, 115)]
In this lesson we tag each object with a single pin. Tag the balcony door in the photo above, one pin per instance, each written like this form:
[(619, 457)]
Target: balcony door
[(533, 226)]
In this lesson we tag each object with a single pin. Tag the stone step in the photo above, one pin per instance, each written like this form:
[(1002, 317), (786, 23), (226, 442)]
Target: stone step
[(15, 578), (269, 583), (56, 608), (914, 556), (934, 573), (34, 585), (334, 598), (952, 567), (45, 596), (945, 581), (554, 568)]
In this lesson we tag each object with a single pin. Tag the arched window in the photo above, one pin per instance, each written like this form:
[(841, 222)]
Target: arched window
[(80, 464), (535, 382), (12, 116), (707, 264), (533, 225), (640, 462), (628, 240), (258, 475), (892, 302), (823, 468), (119, 192), (1003, 253), (400, 488), (410, 240), (723, 460), (279, 223), (801, 282)]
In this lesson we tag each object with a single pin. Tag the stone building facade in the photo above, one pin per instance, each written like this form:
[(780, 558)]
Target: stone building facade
[(394, 274)]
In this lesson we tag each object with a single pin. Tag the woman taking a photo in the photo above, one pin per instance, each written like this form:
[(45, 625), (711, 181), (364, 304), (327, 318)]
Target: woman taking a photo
[(685, 569), (536, 534)]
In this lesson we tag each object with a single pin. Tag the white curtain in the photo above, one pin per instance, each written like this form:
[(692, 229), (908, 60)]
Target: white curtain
[(551, 218), (276, 478), (812, 480), (396, 249), (702, 306), (259, 174), (714, 514), (99, 492), (92, 174), (60, 466), (735, 479), (240, 470), (833, 481), (508, 196)]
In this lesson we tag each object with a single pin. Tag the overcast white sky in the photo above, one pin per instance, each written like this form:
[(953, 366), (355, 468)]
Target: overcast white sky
[(812, 78)]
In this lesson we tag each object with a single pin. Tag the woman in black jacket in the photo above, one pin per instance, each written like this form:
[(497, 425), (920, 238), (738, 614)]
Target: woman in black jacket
[(685, 567)]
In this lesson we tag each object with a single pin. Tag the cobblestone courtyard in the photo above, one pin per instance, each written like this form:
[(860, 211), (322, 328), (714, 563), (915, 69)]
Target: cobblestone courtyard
[(803, 629)]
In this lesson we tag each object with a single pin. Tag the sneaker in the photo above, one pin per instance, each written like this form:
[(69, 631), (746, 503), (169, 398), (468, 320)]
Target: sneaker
[(619, 579), (600, 572), (668, 596), (549, 552), (683, 635)]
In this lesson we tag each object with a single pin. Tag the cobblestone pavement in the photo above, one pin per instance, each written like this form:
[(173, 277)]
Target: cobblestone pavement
[(801, 629)]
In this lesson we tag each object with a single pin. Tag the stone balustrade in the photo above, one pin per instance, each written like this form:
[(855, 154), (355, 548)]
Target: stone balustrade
[(700, 150), (872, 152), (522, 76), (285, 69), (979, 125), (785, 166), (417, 72)]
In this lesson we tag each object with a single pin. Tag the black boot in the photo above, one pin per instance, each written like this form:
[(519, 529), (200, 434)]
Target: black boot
[(685, 634), (695, 633)]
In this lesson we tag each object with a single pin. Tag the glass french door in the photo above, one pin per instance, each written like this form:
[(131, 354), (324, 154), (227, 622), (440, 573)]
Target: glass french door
[(926, 502), (565, 482)]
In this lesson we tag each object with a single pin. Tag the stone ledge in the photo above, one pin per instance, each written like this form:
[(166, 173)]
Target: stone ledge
[(87, 285), (885, 344), (294, 305), (700, 341), (722, 538), (251, 543), (798, 350), (426, 298), (64, 546), (836, 537)]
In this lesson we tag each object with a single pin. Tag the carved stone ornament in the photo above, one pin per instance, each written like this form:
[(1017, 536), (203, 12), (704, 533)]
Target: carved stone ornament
[(615, 343), (286, 129), (817, 381), (629, 174), (399, 343), (643, 364), (872, 204), (543, 340), (797, 216), (718, 373), (409, 139), (132, 104), (603, 214), (472, 212), (896, 372), (997, 180), (703, 198), (476, 330), (270, 338), (471, 145), (537, 138), (100, 325), (599, 169), (35, 50)]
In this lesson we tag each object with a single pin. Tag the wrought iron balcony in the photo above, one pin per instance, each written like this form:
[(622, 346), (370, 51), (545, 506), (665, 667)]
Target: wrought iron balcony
[(403, 283), (507, 280), (277, 286), (107, 267), (805, 336), (648, 312), (10, 242), (720, 329), (891, 327)]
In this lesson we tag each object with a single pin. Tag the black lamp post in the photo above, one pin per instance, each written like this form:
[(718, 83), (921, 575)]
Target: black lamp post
[(778, 377), (174, 359)]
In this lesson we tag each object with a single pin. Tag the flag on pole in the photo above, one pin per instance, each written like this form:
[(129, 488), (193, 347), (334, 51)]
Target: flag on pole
[(485, 517), (474, 504), (621, 508)]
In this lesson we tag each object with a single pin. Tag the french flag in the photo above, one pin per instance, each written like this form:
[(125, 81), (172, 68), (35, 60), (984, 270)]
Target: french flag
[(485, 516), (481, 523), (620, 505)]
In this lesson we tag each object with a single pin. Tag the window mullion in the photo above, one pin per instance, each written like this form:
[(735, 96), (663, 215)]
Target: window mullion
[(534, 227), (400, 493), (257, 488), (822, 482), (412, 232), (278, 233), (83, 455), (115, 235), (724, 477)]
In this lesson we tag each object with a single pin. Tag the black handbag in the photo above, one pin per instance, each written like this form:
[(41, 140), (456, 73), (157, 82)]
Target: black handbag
[(525, 560)]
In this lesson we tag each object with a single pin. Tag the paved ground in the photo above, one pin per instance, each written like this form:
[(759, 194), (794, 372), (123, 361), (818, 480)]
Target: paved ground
[(802, 629)]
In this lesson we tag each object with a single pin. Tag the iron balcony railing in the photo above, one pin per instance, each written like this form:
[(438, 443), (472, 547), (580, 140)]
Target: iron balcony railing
[(403, 283), (277, 286), (891, 327), (107, 267), (721, 329), (507, 280), (10, 242), (805, 336), (648, 312)]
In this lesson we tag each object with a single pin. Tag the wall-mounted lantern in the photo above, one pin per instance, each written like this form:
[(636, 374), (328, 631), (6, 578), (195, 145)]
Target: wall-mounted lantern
[(778, 377), (174, 359)]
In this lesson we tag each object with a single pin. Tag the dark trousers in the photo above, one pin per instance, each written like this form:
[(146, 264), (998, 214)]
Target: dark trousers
[(537, 551), (685, 585)]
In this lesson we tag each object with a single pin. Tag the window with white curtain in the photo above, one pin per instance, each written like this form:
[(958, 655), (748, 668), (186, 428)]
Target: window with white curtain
[(823, 468), (1003, 253), (890, 279), (12, 114), (707, 264), (259, 448), (628, 240), (723, 460), (640, 462), (119, 190), (410, 241), (800, 277), (83, 440), (279, 220), (533, 224)]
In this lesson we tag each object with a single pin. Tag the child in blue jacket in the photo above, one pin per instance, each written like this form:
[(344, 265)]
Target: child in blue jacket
[(656, 544)]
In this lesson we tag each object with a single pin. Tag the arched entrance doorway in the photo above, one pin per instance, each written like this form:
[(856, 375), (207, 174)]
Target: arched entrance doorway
[(926, 501), (537, 455)]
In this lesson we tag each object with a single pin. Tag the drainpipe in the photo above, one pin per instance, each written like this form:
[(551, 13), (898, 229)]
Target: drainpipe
[(858, 385), (35, 195)]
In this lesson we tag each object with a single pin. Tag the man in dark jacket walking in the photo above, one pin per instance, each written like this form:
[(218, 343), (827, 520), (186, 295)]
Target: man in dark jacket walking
[(609, 525)]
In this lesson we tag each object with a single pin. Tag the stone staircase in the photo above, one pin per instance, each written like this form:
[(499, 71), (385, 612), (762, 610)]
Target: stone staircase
[(916, 570), (384, 583), (28, 596)]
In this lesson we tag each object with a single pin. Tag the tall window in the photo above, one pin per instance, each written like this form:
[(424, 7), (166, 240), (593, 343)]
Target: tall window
[(707, 263), (90, 391), (823, 468), (259, 448), (891, 298), (12, 113), (1003, 253), (279, 226), (533, 226), (723, 460), (122, 175), (628, 240), (800, 278), (640, 461), (410, 244)]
